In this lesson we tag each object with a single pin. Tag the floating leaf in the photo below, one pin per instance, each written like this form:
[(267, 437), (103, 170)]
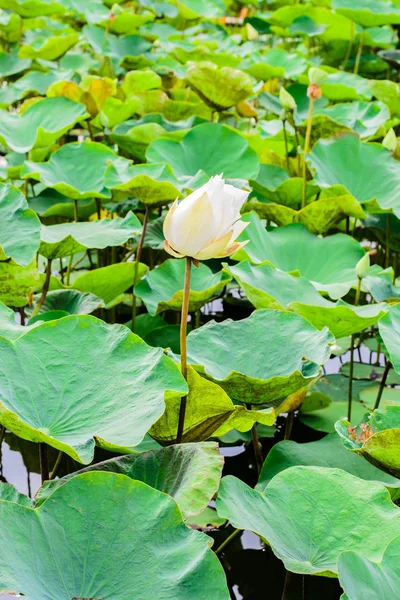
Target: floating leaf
[(162, 288), (286, 516), (9, 327), (20, 229), (378, 174), (209, 412), (296, 350), (76, 170), (376, 438), (368, 13), (365, 118), (47, 46), (41, 124), (275, 63), (189, 473), (80, 564), (329, 263), (153, 185), (211, 148), (70, 238), (9, 493), (327, 452), (266, 287), (109, 282), (68, 410), (220, 88), (33, 8), (70, 302)]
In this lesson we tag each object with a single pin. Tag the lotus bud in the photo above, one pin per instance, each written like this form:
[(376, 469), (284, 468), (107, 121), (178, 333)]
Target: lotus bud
[(206, 224), (287, 101), (252, 34), (317, 76), (390, 141), (362, 267)]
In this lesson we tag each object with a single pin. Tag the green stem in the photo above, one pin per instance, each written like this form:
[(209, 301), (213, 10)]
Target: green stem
[(382, 384), (350, 389), (69, 269), (183, 332), (387, 248), (349, 48), (306, 150), (44, 462), (137, 261), (296, 137), (228, 540), (286, 145), (56, 465), (76, 215), (286, 585), (44, 291), (289, 425), (359, 51)]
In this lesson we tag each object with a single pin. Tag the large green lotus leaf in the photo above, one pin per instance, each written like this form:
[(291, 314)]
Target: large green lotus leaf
[(212, 148), (11, 64), (9, 327), (156, 556), (209, 412), (34, 82), (368, 13), (390, 396), (363, 579), (70, 302), (162, 288), (318, 217), (389, 329), (266, 287), (70, 238), (296, 351), (33, 8), (66, 409), (335, 161), (329, 263), (50, 203), (20, 227), (327, 452), (275, 63), (75, 170), (379, 283), (109, 282), (49, 46), (153, 185), (301, 504), (376, 438), (190, 473), (365, 118), (338, 27), (275, 183), (17, 283), (9, 493), (126, 22), (220, 88), (341, 86), (41, 124), (387, 92)]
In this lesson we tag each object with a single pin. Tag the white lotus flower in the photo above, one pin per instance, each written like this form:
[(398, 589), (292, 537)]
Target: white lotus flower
[(206, 223)]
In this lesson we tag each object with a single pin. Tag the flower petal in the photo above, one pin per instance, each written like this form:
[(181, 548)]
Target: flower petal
[(168, 220), (192, 226), (215, 249), (171, 251)]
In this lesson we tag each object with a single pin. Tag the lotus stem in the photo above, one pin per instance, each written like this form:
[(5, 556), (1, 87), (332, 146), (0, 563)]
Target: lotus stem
[(56, 465), (137, 262), (69, 269), (296, 137), (387, 245), (228, 540), (286, 585), (90, 130), (306, 150), (183, 332), (76, 215), (46, 286), (359, 51), (349, 48), (44, 462), (98, 207), (289, 425), (286, 145), (382, 384), (350, 390)]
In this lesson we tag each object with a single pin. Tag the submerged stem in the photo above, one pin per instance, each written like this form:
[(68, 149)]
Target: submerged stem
[(306, 150), (137, 261), (228, 540), (183, 332)]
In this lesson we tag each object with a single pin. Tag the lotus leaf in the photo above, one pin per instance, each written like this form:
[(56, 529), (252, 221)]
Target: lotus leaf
[(79, 564), (220, 88), (57, 410), (70, 238), (284, 514), (389, 329)]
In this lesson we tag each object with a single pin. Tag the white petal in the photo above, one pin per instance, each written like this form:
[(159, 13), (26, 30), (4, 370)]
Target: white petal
[(192, 225)]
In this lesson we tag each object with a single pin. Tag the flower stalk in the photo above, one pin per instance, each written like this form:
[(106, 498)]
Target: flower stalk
[(137, 262), (183, 346)]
